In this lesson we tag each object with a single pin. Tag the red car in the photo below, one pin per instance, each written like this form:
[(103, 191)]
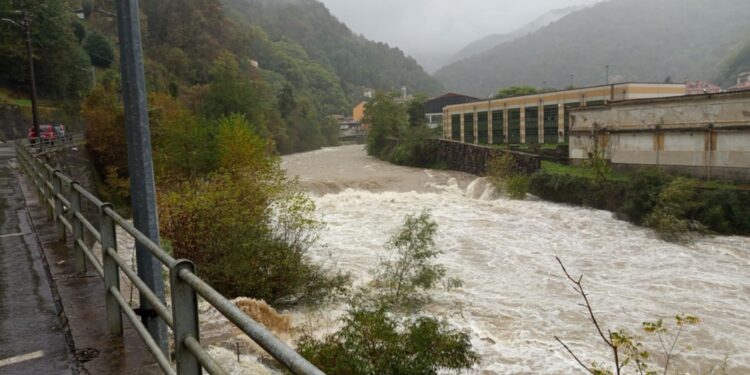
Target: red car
[(48, 134)]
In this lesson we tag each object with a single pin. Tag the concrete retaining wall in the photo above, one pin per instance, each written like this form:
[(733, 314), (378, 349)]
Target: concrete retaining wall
[(474, 159)]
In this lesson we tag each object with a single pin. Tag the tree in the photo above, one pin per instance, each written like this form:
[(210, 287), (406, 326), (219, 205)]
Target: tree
[(99, 49), (403, 280), (246, 226), (376, 337), (384, 116), (416, 111), (373, 342), (626, 348), (61, 73), (513, 91)]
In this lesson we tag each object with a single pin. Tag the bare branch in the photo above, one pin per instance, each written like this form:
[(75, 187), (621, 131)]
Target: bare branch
[(671, 349), (588, 304), (574, 356)]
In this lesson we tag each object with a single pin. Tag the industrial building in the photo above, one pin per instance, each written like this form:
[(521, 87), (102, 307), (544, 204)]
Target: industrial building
[(702, 135), (433, 108), (539, 118)]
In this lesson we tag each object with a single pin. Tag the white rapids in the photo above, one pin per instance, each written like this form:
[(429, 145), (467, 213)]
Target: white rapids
[(515, 298)]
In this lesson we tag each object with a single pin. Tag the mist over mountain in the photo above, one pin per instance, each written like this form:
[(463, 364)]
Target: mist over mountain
[(642, 40), (493, 40)]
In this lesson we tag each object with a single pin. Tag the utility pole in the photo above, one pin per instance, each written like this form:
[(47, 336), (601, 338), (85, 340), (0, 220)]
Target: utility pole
[(26, 26), (140, 164), (32, 77), (607, 68), (572, 80)]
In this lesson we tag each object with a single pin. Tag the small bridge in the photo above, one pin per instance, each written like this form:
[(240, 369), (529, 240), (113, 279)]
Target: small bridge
[(63, 200)]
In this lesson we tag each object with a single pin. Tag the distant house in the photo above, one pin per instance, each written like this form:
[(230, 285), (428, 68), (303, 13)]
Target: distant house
[(701, 87), (433, 108), (743, 82)]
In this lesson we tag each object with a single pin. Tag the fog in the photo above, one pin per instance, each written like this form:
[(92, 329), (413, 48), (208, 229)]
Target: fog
[(433, 30)]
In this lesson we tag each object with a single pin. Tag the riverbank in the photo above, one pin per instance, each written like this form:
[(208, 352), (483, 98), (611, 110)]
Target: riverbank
[(634, 196), (648, 197)]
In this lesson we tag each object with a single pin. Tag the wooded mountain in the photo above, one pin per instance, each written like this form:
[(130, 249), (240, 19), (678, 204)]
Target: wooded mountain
[(358, 62), (493, 40), (642, 40)]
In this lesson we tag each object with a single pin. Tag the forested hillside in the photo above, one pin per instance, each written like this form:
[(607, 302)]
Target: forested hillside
[(62, 66), (359, 63), (493, 40), (642, 40), (311, 65)]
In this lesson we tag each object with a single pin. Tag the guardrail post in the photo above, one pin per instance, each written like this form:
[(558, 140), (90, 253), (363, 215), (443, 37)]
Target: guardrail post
[(185, 317), (57, 184), (111, 272), (75, 209), (47, 194)]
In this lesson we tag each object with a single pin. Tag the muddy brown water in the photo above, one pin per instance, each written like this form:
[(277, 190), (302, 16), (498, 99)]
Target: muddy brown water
[(515, 298)]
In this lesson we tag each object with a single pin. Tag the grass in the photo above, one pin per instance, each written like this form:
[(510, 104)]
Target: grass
[(579, 171)]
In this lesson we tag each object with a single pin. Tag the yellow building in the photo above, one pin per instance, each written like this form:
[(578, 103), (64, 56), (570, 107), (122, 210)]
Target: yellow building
[(540, 118)]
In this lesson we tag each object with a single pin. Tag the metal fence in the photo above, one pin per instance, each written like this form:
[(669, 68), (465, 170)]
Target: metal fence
[(63, 198)]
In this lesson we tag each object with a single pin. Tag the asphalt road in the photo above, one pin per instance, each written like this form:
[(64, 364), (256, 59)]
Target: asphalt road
[(31, 338)]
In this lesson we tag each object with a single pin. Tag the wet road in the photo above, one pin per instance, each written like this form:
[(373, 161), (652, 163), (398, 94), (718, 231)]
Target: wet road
[(31, 340)]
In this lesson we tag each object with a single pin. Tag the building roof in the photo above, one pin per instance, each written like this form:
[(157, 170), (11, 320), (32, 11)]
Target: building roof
[(436, 105), (623, 103)]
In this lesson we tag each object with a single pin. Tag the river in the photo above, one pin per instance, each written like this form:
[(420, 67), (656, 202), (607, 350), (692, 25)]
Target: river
[(515, 298)]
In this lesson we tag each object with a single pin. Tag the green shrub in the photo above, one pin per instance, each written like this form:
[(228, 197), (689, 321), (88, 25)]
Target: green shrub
[(373, 342), (100, 50), (402, 281), (517, 186), (670, 216), (413, 148), (723, 210), (561, 188), (246, 226), (642, 194), (503, 173)]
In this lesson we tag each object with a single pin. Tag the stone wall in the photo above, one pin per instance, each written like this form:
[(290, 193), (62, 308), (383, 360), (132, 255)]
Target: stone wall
[(474, 159)]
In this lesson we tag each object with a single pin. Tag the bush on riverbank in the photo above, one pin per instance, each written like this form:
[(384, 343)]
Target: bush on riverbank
[(246, 225), (384, 332), (504, 175), (652, 198)]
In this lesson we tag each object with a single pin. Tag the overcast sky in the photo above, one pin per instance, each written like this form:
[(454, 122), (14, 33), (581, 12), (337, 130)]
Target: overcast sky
[(421, 26)]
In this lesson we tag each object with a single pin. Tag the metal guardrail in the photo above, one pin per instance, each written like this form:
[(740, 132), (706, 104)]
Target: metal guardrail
[(186, 286)]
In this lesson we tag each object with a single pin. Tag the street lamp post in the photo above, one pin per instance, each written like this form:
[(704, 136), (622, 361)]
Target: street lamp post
[(140, 162), (26, 26)]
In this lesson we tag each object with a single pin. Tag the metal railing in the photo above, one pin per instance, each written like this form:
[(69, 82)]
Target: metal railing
[(186, 286), (45, 145)]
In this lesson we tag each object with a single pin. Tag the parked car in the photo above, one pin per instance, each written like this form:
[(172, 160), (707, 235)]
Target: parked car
[(48, 134), (61, 134)]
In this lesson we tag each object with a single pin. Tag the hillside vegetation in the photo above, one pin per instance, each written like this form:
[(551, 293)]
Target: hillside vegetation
[(358, 62), (642, 40)]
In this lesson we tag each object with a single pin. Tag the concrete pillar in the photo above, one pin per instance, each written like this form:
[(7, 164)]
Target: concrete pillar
[(463, 137), (446, 121), (540, 121), (561, 122), (523, 124), (505, 122), (489, 125), (476, 126)]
